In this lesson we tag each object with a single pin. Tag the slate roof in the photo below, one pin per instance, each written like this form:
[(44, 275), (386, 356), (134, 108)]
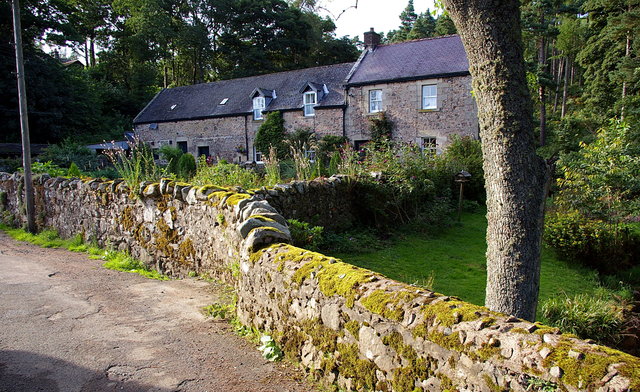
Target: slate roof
[(411, 60), (203, 100)]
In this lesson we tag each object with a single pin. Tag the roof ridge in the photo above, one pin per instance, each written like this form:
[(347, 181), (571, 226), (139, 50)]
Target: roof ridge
[(421, 39), (266, 74)]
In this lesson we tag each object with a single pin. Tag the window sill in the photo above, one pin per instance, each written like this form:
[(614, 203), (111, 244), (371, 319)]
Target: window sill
[(370, 114), (428, 110)]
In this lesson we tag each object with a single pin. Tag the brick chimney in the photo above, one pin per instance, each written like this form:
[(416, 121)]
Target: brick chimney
[(371, 39)]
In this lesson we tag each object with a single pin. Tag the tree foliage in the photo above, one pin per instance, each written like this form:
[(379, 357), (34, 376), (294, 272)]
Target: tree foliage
[(272, 133), (601, 179), (132, 48)]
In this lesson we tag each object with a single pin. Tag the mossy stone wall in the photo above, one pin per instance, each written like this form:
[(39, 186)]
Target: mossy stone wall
[(346, 325), (358, 329), (173, 227)]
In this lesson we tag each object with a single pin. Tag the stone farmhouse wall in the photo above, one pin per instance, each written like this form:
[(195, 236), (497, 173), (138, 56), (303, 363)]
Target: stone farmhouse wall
[(325, 122), (456, 112), (222, 135), (344, 324)]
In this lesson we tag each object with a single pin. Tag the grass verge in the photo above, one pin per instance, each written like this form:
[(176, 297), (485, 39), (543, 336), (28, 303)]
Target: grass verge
[(453, 262), (114, 260)]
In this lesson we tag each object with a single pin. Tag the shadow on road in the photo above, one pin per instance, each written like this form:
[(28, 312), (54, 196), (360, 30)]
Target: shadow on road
[(25, 371)]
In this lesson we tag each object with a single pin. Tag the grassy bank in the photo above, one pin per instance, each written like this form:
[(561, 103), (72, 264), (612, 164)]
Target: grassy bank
[(112, 260), (453, 262)]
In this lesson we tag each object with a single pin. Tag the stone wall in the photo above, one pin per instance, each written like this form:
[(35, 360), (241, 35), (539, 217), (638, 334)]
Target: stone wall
[(172, 227), (456, 112), (327, 203), (346, 325), (222, 135)]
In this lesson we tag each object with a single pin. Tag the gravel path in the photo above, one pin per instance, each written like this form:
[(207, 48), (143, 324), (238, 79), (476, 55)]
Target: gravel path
[(67, 324)]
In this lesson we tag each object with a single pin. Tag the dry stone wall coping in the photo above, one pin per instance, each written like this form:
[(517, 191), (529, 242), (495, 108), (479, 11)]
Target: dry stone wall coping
[(345, 324), (335, 315)]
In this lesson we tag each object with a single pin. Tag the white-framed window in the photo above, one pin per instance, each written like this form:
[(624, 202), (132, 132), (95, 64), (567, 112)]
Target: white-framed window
[(430, 96), (257, 155), (311, 155), (309, 102), (375, 101), (429, 145), (258, 107)]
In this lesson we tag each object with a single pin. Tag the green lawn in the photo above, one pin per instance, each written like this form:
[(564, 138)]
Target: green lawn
[(455, 258)]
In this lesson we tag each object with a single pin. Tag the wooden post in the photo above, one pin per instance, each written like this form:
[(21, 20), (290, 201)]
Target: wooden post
[(24, 120)]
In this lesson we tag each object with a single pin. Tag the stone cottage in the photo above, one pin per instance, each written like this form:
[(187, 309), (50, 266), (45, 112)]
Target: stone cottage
[(422, 86)]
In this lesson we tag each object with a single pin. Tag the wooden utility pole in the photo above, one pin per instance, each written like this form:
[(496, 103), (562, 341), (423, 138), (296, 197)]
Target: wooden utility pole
[(24, 120)]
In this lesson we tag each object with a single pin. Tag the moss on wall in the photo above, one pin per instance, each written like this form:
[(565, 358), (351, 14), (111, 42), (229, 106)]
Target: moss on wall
[(388, 304), (585, 371), (361, 371), (186, 252)]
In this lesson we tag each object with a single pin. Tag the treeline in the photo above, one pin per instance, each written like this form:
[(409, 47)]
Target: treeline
[(132, 48)]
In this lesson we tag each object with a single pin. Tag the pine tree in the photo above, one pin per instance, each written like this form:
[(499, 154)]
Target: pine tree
[(444, 26), (424, 27)]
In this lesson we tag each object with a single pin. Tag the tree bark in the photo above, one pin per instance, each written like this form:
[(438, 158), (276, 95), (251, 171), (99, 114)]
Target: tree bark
[(565, 88), (542, 67), (560, 70), (627, 54), (92, 49), (515, 177), (86, 53)]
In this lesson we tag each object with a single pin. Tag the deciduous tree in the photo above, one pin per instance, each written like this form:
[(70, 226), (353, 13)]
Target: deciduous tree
[(515, 176)]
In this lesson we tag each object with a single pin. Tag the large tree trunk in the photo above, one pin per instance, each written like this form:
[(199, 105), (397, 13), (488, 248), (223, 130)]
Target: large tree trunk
[(515, 176)]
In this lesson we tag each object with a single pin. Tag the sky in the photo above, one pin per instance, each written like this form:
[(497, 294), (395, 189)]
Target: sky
[(382, 15)]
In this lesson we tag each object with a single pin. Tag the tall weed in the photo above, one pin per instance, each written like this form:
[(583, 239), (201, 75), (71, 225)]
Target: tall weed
[(136, 164)]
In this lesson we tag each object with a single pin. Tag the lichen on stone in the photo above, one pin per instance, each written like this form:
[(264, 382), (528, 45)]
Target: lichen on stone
[(586, 372), (127, 220), (361, 371), (262, 218), (353, 327), (164, 238), (186, 251), (388, 304), (235, 198), (454, 311)]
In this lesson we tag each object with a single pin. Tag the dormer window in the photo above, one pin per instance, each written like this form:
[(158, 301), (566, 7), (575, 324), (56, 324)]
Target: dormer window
[(258, 107), (309, 102)]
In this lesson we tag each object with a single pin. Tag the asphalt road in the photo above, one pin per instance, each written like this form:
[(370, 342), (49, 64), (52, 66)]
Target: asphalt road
[(67, 324)]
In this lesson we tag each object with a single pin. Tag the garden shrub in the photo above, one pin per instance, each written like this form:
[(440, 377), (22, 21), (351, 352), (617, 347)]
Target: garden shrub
[(186, 166), (107, 172), (464, 153), (590, 317), (395, 183), (172, 155), (46, 167), (73, 170), (10, 165), (68, 152), (304, 235), (601, 179), (224, 174), (272, 133), (608, 247)]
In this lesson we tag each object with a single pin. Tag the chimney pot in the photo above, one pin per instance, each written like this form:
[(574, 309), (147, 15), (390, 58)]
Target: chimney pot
[(371, 39)]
